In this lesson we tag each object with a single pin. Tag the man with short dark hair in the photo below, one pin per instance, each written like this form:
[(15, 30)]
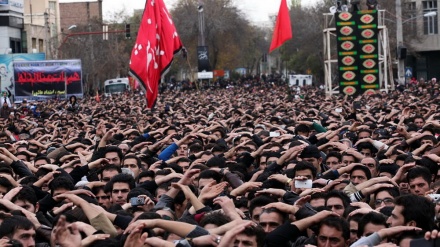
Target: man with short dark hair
[(313, 155), (119, 187), (133, 163), (271, 218), (331, 229), (114, 155), (371, 223), (419, 180), (413, 210), (251, 236), (337, 202), (18, 228)]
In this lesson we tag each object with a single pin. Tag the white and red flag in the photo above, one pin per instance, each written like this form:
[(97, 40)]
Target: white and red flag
[(156, 43)]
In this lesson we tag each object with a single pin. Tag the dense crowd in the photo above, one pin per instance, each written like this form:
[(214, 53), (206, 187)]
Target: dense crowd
[(260, 165)]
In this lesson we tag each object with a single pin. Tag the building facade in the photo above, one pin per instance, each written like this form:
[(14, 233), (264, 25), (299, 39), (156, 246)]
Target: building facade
[(422, 38), (83, 14), (42, 26), (11, 26)]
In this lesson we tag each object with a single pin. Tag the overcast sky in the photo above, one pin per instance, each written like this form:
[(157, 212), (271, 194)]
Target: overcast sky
[(256, 10)]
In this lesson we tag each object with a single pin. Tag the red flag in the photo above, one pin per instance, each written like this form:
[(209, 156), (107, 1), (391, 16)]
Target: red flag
[(156, 44), (97, 97), (283, 29)]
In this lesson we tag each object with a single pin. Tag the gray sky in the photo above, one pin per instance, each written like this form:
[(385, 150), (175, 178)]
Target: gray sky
[(257, 10)]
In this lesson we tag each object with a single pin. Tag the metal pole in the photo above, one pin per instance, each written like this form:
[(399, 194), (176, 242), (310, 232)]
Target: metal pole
[(399, 39), (46, 26), (201, 23)]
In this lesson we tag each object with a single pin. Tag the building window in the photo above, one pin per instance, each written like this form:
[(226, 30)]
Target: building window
[(430, 23), (411, 16), (40, 45), (15, 45), (34, 43), (52, 5)]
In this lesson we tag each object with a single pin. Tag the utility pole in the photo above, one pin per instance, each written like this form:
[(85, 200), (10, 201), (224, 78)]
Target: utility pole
[(46, 30), (201, 24), (399, 39)]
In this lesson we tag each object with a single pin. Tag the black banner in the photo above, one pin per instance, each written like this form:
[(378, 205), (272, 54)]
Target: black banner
[(203, 58), (358, 51), (43, 79)]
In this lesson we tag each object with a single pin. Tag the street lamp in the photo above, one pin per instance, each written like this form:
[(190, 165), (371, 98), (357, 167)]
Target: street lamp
[(428, 14)]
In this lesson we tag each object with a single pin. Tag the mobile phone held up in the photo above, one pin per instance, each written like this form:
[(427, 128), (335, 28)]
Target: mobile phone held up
[(303, 184), (274, 134), (137, 201)]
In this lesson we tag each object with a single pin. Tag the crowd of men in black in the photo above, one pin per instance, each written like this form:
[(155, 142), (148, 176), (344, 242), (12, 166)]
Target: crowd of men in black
[(256, 165)]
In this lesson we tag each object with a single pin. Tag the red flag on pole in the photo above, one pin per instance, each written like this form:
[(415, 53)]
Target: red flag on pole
[(283, 28), (156, 44)]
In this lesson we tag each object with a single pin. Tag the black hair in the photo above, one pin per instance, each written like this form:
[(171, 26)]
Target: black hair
[(418, 209), (29, 180), (26, 194), (61, 183), (115, 149), (256, 231), (283, 215), (334, 154), (302, 128), (120, 178), (195, 148), (362, 168), (110, 167), (11, 224), (393, 191), (132, 156), (338, 194), (338, 223), (42, 157), (145, 174), (28, 157), (304, 165), (216, 218), (373, 218), (429, 137), (259, 201), (419, 171), (366, 145), (207, 174), (430, 164), (271, 154)]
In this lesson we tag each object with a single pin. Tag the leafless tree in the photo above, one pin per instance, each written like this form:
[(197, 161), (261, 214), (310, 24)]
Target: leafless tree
[(231, 39)]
